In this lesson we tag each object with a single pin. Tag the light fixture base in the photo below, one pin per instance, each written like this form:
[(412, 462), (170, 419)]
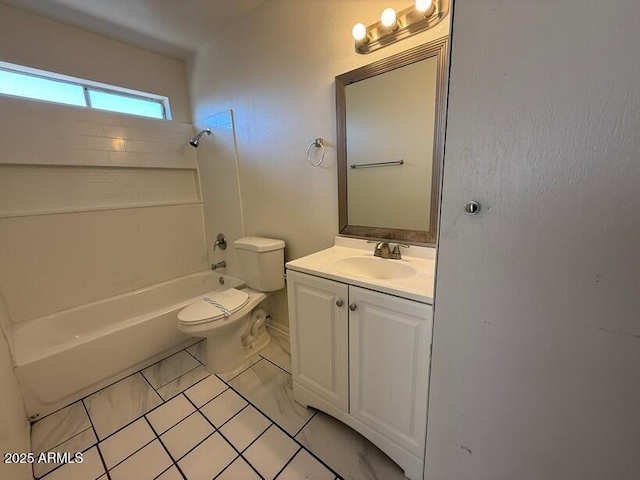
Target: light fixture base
[(410, 21)]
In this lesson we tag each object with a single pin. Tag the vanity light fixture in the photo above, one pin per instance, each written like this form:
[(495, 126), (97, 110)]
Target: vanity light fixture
[(393, 26)]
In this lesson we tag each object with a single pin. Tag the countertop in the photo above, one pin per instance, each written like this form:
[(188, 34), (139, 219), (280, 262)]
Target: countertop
[(418, 287)]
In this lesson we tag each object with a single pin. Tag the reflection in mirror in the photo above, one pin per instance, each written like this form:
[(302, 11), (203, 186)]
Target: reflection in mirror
[(390, 157), (390, 143)]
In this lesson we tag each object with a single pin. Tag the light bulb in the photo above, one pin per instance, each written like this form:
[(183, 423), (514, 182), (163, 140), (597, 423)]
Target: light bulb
[(388, 17), (423, 5), (359, 31)]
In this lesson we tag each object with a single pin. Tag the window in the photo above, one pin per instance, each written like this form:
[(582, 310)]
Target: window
[(35, 84)]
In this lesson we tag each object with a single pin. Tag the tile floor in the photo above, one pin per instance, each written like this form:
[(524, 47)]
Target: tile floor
[(174, 420)]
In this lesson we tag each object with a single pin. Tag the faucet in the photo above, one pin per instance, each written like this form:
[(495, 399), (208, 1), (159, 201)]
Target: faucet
[(383, 250), (215, 266)]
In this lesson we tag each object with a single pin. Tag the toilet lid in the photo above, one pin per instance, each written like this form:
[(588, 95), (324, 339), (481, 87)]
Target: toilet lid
[(214, 306)]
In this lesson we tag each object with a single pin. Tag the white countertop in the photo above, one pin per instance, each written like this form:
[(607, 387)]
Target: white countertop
[(418, 287)]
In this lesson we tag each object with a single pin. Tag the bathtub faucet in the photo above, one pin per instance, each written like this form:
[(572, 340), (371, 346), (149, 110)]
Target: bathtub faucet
[(215, 266)]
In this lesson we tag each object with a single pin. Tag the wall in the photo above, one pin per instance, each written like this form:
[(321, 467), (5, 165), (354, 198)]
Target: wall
[(275, 68), (14, 428), (33, 41), (92, 204), (536, 352)]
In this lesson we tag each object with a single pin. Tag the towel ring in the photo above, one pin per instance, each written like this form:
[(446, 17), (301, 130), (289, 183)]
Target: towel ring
[(318, 143)]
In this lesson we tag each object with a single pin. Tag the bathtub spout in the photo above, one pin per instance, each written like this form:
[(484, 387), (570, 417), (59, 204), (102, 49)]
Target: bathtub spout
[(215, 266)]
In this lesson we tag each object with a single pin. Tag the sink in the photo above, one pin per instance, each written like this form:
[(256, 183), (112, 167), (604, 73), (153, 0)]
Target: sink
[(373, 267)]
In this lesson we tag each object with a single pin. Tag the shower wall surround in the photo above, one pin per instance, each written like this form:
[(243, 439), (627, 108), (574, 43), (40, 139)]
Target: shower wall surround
[(218, 170), (92, 204)]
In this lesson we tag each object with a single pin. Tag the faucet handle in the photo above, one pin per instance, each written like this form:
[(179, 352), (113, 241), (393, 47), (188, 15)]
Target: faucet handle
[(221, 241), (396, 254)]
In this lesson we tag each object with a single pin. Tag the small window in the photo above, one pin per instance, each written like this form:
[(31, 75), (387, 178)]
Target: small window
[(35, 84)]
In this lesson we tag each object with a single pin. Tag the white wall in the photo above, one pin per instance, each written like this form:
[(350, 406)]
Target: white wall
[(275, 68), (14, 427), (92, 204), (33, 41), (536, 353)]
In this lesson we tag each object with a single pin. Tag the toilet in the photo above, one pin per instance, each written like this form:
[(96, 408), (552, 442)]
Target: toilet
[(229, 319)]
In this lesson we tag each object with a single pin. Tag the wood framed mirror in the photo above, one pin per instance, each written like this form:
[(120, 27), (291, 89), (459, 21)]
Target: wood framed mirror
[(390, 122)]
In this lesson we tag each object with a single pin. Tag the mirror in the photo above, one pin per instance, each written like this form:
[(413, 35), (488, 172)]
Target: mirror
[(390, 120)]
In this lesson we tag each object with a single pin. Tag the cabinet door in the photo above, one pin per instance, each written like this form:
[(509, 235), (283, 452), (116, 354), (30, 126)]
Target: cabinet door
[(318, 324), (389, 347)]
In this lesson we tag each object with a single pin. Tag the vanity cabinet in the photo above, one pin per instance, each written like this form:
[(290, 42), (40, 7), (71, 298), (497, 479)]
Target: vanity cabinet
[(363, 357)]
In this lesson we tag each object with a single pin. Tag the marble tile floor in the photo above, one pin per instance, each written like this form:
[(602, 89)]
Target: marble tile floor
[(174, 420)]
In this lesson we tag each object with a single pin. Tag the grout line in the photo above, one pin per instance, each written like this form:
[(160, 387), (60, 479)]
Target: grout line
[(306, 423), (179, 376), (86, 396), (207, 418), (239, 457), (49, 449), (321, 461), (193, 354), (132, 453), (178, 423), (241, 371), (95, 433), (275, 364), (287, 463), (191, 449), (63, 464), (132, 421), (154, 389), (226, 439), (165, 449), (287, 433), (256, 439)]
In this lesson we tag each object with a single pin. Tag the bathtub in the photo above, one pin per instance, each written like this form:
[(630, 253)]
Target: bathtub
[(67, 355)]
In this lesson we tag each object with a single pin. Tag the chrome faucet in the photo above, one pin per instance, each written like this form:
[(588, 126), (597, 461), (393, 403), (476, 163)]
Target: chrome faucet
[(383, 250), (215, 266)]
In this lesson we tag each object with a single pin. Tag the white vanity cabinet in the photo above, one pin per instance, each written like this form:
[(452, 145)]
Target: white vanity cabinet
[(389, 346), (362, 356), (319, 336)]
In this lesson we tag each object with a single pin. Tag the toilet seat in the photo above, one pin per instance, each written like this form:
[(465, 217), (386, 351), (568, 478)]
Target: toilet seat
[(214, 306)]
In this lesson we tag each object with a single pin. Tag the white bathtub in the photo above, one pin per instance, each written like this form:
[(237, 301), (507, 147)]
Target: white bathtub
[(66, 355)]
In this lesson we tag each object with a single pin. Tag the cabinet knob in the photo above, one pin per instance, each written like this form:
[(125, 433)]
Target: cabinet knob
[(339, 303), (353, 307)]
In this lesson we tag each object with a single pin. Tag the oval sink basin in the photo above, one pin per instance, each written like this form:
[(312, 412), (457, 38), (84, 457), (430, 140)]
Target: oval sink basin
[(373, 267)]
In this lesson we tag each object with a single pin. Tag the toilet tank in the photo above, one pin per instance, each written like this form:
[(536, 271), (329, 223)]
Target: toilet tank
[(262, 262)]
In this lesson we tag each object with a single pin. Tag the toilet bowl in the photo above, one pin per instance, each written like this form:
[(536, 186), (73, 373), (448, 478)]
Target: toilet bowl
[(224, 317)]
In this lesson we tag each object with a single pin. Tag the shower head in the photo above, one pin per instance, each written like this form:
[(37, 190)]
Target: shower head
[(195, 141)]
